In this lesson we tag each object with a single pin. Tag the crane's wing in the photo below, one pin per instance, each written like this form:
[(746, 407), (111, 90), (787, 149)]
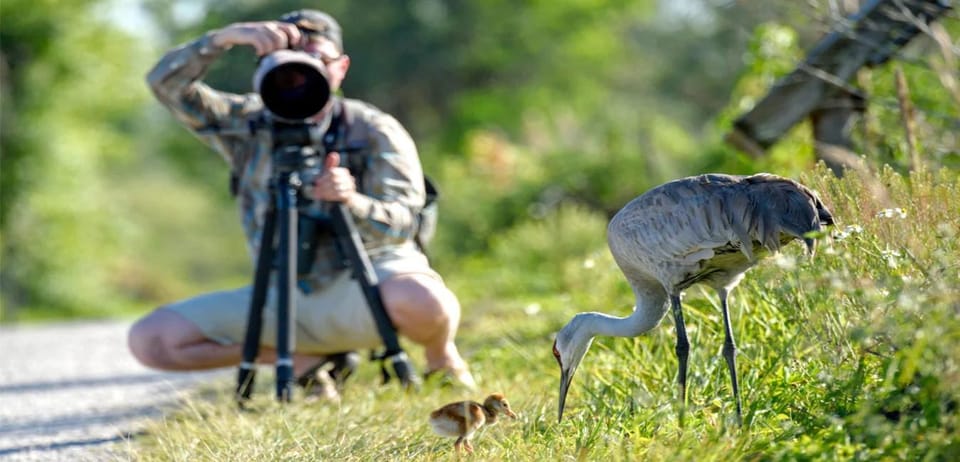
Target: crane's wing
[(679, 221), (689, 220)]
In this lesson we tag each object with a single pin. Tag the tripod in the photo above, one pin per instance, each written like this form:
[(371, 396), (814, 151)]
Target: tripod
[(278, 250)]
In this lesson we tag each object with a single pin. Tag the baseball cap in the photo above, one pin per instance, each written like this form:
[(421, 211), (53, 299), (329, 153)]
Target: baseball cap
[(315, 22)]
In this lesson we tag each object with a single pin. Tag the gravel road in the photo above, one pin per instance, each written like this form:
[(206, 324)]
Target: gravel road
[(72, 392)]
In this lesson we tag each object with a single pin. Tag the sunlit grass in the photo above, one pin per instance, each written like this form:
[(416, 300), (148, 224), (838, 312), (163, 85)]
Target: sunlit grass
[(851, 355)]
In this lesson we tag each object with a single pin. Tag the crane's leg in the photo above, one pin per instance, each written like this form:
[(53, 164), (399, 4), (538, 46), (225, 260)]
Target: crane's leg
[(730, 352), (683, 350)]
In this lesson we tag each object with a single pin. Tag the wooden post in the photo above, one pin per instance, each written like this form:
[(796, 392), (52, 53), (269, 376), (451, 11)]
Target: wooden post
[(867, 38), (833, 122)]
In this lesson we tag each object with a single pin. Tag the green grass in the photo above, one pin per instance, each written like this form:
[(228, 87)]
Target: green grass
[(851, 355)]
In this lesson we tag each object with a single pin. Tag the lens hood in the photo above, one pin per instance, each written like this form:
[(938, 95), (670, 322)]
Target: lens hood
[(293, 85)]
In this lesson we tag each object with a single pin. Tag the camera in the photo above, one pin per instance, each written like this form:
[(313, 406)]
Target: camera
[(294, 85)]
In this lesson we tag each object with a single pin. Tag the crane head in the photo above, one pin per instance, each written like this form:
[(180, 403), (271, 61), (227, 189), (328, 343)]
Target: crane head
[(569, 348)]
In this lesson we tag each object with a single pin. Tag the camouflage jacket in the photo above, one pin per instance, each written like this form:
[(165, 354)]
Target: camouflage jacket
[(392, 187)]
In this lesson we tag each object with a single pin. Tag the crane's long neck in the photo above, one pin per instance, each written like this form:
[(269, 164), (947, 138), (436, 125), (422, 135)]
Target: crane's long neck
[(650, 308)]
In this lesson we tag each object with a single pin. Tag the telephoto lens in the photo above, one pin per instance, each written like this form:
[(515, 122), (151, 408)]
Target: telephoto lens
[(293, 85)]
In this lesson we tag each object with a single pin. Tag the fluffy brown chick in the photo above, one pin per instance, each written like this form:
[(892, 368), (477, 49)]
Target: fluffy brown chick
[(463, 418)]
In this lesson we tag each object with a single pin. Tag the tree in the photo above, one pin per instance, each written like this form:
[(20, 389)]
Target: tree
[(72, 89)]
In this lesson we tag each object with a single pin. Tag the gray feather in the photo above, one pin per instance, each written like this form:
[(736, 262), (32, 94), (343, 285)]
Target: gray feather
[(712, 228)]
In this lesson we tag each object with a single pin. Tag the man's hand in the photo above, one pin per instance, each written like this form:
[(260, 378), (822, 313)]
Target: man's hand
[(264, 36), (336, 184)]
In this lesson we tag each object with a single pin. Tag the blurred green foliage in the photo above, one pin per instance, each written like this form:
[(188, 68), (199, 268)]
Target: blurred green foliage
[(534, 117)]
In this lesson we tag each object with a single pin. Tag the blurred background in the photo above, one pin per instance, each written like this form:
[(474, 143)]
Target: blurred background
[(535, 119)]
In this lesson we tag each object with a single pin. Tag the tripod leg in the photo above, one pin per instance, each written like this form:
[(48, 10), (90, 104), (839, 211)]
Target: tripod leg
[(251, 341), (286, 307), (363, 271)]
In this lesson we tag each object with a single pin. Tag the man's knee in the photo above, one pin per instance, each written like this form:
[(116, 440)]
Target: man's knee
[(141, 340), (420, 299), (152, 337)]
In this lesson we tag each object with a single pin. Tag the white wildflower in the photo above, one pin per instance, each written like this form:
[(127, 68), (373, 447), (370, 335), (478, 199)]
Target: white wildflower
[(891, 256), (589, 263), (888, 252), (784, 261), (532, 309), (892, 213), (847, 231)]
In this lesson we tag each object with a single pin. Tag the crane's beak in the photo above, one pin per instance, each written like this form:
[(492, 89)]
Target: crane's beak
[(565, 376), (568, 366)]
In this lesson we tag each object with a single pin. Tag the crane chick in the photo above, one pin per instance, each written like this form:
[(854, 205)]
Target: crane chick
[(706, 229), (463, 418)]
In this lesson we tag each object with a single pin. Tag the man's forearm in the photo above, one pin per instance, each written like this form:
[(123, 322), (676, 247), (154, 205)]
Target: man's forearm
[(172, 77), (389, 218)]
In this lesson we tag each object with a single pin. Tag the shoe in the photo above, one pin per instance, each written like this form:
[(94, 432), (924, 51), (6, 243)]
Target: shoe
[(452, 377), (325, 379), (319, 387), (342, 366)]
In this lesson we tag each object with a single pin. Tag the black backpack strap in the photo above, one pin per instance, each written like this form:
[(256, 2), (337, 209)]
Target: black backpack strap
[(335, 139), (336, 134), (427, 218), (234, 183)]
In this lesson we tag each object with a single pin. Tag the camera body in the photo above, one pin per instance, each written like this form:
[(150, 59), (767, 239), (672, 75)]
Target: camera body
[(293, 85)]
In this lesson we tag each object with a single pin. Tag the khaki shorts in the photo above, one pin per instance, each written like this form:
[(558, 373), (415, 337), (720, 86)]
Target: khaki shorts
[(333, 319)]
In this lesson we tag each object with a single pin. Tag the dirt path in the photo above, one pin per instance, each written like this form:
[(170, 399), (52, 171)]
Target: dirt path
[(73, 392)]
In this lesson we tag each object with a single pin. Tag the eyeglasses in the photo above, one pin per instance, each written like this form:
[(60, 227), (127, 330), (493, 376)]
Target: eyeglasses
[(326, 60), (312, 48)]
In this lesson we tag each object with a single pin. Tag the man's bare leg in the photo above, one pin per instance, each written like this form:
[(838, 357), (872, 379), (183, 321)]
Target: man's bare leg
[(425, 311), (166, 340)]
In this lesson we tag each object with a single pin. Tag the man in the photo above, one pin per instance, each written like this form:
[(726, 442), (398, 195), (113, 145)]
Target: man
[(332, 316)]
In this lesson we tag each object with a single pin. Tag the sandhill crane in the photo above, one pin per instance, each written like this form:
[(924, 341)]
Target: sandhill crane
[(706, 229)]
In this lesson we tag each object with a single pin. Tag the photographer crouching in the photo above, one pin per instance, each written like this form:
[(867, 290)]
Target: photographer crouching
[(383, 190)]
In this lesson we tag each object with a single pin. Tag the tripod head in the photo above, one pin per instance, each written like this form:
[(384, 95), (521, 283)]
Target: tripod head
[(294, 150)]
